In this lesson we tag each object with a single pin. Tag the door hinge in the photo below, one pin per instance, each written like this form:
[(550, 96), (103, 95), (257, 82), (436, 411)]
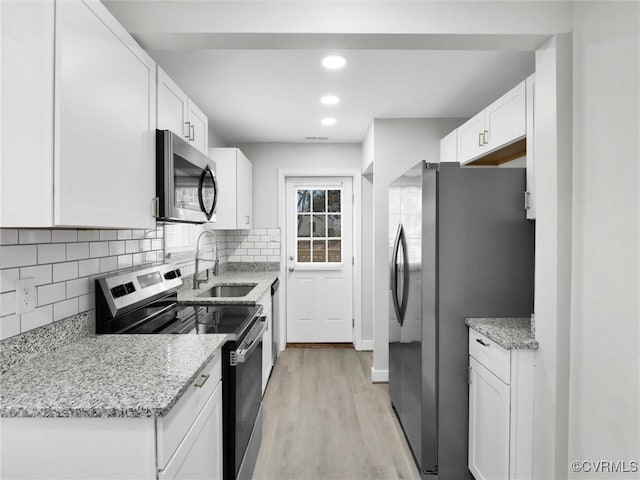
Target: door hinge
[(469, 374), (155, 207)]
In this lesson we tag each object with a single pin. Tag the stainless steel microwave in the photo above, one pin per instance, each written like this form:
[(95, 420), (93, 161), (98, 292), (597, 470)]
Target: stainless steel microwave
[(186, 185)]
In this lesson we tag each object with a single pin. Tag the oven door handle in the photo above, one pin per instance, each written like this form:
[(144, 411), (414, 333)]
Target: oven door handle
[(250, 343)]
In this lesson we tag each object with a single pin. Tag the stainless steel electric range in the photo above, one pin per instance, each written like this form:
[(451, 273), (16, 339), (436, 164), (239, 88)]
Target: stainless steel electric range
[(144, 301)]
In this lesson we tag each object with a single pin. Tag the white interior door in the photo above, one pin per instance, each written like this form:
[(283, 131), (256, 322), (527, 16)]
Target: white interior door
[(319, 243)]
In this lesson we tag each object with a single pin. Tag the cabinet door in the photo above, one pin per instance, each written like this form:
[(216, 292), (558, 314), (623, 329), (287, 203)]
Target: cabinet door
[(449, 147), (104, 165), (200, 453), (244, 192), (531, 154), (172, 106), (505, 119), (199, 128), (488, 424), (470, 139)]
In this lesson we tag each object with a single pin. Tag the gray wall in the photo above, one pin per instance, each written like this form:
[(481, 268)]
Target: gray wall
[(398, 145)]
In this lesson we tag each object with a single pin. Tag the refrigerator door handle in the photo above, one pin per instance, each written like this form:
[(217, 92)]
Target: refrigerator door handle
[(400, 306)]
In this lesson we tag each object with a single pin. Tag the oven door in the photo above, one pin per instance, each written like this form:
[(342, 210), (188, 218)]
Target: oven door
[(248, 396), (186, 183)]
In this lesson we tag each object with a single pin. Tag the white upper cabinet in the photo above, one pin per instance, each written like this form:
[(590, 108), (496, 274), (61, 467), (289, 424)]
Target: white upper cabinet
[(449, 148), (505, 119), (235, 189), (471, 139), (530, 201), (178, 113), (89, 161)]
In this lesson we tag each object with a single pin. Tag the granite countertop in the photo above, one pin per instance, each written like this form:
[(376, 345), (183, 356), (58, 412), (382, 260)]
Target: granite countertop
[(107, 376), (509, 333), (263, 279)]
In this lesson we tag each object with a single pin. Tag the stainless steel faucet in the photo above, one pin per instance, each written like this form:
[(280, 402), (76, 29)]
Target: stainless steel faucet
[(216, 261)]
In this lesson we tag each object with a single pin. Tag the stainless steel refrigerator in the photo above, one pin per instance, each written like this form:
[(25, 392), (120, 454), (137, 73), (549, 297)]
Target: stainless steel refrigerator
[(460, 246)]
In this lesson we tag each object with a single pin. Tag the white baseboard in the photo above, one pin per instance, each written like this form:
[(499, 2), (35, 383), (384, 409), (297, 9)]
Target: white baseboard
[(379, 376), (365, 346)]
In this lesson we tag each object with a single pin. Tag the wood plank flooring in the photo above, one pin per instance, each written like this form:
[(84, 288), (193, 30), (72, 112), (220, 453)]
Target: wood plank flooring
[(324, 419)]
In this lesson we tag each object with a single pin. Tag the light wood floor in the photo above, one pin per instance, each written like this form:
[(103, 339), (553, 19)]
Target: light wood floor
[(324, 419)]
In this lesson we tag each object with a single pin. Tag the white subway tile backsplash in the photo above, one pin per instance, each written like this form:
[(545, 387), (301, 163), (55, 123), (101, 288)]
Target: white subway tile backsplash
[(64, 236), (7, 303), (77, 251), (41, 274), (160, 256), (132, 246), (8, 279), (144, 245), (253, 251), (240, 251), (273, 258), (39, 317), (265, 238), (156, 244), (9, 326), (137, 234), (125, 261), (88, 267), (150, 257), (260, 258), (26, 235), (86, 302), (259, 231), (116, 248), (151, 233), (88, 235), (51, 293), (80, 286), (98, 249), (65, 309), (8, 236), (108, 234), (124, 235), (108, 264), (137, 259), (65, 271), (50, 253), (260, 245), (17, 256)]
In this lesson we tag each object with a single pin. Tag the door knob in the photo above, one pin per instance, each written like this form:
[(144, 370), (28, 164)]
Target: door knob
[(290, 257), (291, 269)]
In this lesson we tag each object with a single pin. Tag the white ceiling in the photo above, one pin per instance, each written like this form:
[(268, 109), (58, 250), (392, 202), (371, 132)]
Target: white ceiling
[(273, 95)]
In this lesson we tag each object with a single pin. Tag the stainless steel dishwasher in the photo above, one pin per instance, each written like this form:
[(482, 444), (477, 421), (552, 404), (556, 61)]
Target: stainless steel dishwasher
[(275, 318)]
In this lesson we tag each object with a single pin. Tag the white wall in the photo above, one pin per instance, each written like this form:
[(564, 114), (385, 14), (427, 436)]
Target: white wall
[(605, 318), (215, 139), (267, 158), (398, 145)]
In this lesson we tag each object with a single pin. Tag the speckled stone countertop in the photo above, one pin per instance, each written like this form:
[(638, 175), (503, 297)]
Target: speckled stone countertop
[(509, 333), (262, 279), (107, 376)]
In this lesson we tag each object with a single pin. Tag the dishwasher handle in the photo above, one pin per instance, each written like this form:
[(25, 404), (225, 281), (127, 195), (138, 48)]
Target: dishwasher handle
[(250, 343)]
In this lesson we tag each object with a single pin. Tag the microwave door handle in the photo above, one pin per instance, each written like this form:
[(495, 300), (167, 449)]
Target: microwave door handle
[(203, 175), (243, 353)]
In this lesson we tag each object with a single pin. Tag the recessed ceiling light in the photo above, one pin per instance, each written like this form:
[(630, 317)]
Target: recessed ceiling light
[(333, 62), (328, 121), (330, 100)]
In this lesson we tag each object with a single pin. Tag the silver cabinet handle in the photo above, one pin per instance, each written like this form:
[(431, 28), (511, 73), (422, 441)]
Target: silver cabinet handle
[(485, 137), (205, 377), (481, 342), (188, 135), (480, 141), (248, 218), (193, 133), (291, 269)]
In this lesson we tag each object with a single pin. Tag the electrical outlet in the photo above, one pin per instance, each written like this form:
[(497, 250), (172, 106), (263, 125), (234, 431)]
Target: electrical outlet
[(26, 295)]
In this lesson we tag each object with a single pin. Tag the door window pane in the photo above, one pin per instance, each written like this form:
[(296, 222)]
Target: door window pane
[(319, 226), (333, 200), (335, 225), (334, 251), (304, 250), (319, 199), (319, 251), (304, 201), (304, 225)]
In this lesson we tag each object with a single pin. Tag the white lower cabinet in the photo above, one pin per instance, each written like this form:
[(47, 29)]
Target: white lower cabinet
[(184, 444), (500, 410), (267, 339)]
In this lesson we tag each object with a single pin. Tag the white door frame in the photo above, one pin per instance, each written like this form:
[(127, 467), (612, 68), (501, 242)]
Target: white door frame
[(355, 174)]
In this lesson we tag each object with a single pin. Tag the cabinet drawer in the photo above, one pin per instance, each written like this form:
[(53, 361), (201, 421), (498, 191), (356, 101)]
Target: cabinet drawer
[(173, 427), (491, 355)]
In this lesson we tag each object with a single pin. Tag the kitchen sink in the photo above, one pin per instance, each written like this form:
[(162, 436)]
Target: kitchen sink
[(228, 290)]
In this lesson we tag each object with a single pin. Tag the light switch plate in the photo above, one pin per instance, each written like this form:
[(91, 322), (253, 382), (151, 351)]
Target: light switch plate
[(26, 295)]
